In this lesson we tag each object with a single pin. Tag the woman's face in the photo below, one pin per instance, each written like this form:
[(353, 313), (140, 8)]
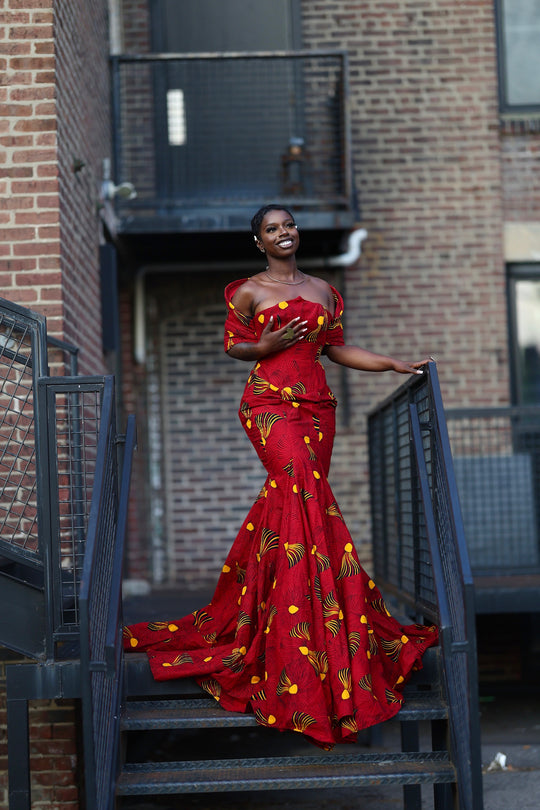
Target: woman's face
[(279, 235)]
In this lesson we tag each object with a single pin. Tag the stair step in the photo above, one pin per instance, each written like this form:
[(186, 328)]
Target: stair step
[(139, 681), (152, 715), (285, 773)]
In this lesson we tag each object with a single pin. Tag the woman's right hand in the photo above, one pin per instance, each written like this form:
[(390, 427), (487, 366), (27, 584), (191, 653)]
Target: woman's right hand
[(277, 340)]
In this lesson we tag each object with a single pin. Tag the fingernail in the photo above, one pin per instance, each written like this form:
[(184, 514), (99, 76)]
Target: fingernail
[(419, 371)]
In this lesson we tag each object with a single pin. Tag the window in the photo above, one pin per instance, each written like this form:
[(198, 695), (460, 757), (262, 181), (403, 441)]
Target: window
[(518, 35), (525, 326)]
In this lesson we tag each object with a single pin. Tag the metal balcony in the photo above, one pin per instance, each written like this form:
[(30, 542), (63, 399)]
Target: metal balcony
[(205, 139)]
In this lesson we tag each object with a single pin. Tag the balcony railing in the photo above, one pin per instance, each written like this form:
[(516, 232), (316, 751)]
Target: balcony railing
[(497, 464), (205, 137)]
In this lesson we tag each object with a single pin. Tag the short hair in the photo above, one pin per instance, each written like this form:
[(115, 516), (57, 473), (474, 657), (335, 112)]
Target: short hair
[(256, 222)]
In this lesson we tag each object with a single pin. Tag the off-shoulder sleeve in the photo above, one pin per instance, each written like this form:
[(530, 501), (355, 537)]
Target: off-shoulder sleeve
[(239, 327), (334, 334)]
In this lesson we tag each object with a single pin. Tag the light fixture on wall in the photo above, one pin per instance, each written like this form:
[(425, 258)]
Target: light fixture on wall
[(109, 190), (125, 191)]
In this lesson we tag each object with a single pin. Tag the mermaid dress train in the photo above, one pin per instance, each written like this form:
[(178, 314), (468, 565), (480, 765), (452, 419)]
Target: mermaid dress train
[(296, 632)]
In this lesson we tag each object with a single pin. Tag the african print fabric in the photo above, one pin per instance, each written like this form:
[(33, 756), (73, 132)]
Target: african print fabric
[(296, 632)]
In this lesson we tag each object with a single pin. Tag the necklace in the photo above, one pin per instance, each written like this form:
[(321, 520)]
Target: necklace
[(290, 283)]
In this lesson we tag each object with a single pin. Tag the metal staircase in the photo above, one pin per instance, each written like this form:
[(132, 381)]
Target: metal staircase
[(422, 563), (63, 520), (180, 708)]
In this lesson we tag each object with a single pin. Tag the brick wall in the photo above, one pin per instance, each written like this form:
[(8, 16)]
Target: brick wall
[(29, 204), (83, 117), (54, 134), (136, 26)]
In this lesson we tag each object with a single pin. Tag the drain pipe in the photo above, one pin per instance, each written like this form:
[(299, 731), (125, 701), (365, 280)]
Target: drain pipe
[(353, 252), (351, 255)]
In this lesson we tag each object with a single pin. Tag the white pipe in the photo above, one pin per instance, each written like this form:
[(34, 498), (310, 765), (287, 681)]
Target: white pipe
[(354, 249), (139, 317)]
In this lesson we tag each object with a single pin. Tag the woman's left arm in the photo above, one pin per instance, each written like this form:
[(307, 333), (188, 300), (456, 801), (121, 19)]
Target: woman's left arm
[(355, 357)]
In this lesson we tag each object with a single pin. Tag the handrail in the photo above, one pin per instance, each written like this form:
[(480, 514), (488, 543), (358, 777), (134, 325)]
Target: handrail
[(465, 747), (217, 55), (417, 513), (100, 608), (113, 636), (70, 349), (95, 574), (445, 621)]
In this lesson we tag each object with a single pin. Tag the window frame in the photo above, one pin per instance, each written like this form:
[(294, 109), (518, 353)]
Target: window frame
[(506, 107), (515, 272)]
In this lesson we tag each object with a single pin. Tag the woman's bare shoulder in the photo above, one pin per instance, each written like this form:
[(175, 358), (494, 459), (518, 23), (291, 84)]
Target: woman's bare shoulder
[(246, 296)]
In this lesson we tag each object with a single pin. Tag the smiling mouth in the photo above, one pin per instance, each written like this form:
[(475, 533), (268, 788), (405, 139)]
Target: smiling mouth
[(286, 243)]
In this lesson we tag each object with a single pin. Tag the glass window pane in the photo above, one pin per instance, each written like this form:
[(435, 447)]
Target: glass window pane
[(528, 338), (521, 33)]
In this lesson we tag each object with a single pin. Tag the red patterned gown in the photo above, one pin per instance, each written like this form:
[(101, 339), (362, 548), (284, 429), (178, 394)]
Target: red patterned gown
[(296, 632)]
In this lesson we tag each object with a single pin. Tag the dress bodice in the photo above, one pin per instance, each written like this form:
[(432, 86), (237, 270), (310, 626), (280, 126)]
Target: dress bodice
[(296, 373)]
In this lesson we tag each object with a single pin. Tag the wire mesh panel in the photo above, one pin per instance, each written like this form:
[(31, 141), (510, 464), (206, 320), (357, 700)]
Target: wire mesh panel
[(71, 410), (22, 360), (211, 129), (497, 464), (400, 547)]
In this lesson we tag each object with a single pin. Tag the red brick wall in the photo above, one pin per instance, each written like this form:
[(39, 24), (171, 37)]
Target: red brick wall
[(83, 118), (29, 204), (136, 22), (54, 117), (134, 395)]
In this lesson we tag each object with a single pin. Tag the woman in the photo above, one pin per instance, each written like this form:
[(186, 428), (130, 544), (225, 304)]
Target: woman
[(296, 632)]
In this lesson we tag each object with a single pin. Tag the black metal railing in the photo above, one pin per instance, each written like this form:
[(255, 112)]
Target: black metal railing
[(48, 449), (194, 132), (497, 464), (100, 607), (23, 360), (26, 356), (70, 413), (63, 357), (420, 553)]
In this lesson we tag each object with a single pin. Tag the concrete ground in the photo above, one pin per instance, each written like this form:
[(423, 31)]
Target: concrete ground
[(510, 726)]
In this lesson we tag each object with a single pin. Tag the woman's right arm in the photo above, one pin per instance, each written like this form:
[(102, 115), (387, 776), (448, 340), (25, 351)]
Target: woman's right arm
[(270, 341)]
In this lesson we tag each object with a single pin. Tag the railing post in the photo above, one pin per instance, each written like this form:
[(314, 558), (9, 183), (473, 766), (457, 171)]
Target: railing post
[(18, 752)]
